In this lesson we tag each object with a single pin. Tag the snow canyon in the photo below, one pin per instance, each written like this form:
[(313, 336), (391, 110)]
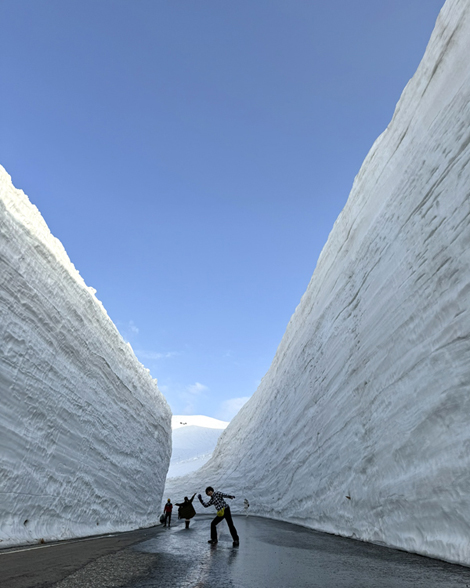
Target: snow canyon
[(361, 425)]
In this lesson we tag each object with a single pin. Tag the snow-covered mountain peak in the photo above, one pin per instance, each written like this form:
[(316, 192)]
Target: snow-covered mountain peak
[(194, 439)]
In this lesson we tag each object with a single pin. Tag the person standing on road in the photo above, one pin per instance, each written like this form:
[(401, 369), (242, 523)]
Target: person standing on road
[(167, 512), (223, 512), (186, 509)]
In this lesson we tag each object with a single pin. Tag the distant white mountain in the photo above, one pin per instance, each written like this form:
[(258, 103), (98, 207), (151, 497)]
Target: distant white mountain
[(194, 440)]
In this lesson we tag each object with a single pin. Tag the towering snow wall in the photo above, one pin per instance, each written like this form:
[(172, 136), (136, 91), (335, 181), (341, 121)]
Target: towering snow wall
[(85, 434), (361, 427)]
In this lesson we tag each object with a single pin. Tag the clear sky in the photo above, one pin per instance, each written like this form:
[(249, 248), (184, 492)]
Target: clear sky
[(193, 155)]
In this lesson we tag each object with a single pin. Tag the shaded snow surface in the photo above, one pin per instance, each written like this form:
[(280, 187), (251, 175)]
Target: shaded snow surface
[(361, 427), (194, 440), (85, 433)]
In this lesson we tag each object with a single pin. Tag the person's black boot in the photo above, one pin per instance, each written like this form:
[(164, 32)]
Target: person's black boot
[(187, 524)]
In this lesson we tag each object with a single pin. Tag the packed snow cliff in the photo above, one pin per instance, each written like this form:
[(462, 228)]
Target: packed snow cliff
[(85, 433), (361, 427)]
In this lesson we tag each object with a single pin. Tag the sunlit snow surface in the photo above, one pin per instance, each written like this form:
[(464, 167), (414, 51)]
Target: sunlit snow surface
[(85, 433), (194, 440), (361, 427)]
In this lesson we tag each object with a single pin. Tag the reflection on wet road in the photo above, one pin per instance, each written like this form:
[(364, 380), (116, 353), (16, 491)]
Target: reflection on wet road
[(275, 554), (271, 555)]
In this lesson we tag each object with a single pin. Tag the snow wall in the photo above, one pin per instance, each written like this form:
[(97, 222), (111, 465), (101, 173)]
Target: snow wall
[(361, 427), (85, 433)]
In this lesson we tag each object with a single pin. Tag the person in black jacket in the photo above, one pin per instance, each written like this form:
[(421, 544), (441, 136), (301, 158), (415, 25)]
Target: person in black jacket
[(223, 512), (186, 509), (167, 512)]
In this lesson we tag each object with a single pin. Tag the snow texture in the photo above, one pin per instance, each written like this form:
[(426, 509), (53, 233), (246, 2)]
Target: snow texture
[(361, 425), (85, 433), (194, 439)]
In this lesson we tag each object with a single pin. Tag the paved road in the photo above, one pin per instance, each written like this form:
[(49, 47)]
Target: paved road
[(271, 555)]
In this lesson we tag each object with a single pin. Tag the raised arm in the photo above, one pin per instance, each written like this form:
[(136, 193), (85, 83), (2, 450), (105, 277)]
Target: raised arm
[(202, 501), (192, 497)]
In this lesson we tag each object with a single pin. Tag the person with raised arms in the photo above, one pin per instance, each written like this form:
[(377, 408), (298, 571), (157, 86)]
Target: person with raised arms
[(186, 509), (223, 512)]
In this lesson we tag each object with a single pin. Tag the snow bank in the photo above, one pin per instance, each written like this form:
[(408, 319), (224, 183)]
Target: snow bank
[(85, 432), (361, 425)]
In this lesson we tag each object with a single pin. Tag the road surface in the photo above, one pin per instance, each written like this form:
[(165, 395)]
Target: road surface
[(271, 555)]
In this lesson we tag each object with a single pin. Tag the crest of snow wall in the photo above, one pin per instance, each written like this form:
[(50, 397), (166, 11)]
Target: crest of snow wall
[(85, 432), (361, 427)]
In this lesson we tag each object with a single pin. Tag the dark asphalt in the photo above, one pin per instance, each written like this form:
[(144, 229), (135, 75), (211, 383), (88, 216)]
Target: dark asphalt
[(271, 555)]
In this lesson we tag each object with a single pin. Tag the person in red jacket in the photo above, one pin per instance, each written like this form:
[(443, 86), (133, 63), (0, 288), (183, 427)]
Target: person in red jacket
[(167, 512)]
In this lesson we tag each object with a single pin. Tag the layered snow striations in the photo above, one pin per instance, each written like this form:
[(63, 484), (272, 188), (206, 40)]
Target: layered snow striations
[(85, 433), (361, 427)]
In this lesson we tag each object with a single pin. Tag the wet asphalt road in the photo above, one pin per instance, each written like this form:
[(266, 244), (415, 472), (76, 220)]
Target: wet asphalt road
[(271, 555)]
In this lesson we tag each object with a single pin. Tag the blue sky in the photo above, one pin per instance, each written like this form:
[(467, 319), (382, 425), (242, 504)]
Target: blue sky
[(192, 157)]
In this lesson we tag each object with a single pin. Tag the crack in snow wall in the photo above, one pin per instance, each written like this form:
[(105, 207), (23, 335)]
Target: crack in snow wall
[(361, 425), (85, 433)]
